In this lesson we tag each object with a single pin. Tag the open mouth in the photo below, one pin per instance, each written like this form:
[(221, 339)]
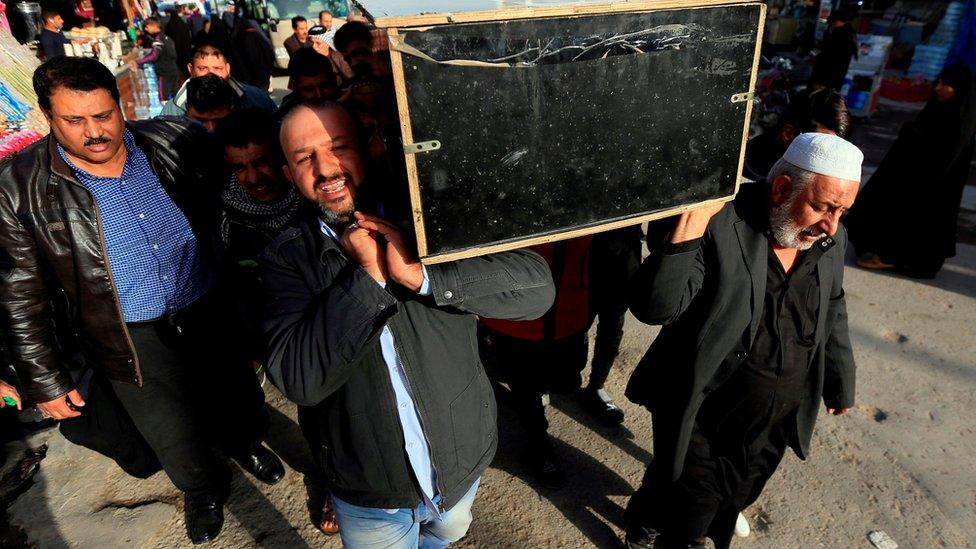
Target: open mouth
[(332, 188), (811, 234)]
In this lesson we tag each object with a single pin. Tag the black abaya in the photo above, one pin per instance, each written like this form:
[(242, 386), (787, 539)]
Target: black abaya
[(830, 67), (907, 212)]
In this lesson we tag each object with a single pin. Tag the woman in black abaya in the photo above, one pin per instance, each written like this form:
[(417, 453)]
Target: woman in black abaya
[(905, 218)]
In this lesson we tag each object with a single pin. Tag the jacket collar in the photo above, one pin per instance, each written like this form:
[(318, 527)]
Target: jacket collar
[(322, 244), (58, 166)]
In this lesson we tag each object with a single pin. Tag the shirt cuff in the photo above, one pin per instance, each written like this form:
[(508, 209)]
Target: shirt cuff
[(682, 247), (425, 288)]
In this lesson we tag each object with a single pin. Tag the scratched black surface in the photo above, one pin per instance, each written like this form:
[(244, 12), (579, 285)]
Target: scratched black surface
[(588, 119)]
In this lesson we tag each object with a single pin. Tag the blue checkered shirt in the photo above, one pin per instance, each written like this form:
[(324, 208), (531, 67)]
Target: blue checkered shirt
[(152, 251)]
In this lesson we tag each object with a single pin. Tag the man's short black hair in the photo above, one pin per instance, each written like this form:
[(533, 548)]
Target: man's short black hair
[(248, 127), (49, 14), (209, 93), (206, 48), (150, 21), (308, 62), (73, 73), (821, 107), (352, 32), (323, 12), (296, 20)]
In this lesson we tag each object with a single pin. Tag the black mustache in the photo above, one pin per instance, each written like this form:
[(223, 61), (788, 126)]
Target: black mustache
[(97, 141)]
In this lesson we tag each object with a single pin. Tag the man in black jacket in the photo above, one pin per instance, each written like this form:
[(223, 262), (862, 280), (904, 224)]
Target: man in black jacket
[(755, 335), (381, 351), (118, 218)]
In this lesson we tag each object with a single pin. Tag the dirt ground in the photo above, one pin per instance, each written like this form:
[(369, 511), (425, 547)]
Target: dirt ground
[(901, 462)]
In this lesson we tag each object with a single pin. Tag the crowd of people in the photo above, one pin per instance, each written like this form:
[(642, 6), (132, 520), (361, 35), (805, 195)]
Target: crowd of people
[(153, 274)]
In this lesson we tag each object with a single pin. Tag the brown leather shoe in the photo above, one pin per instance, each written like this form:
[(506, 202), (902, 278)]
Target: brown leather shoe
[(328, 523), (873, 261)]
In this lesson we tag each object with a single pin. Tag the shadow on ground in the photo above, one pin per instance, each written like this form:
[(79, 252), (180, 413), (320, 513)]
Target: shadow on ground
[(584, 499)]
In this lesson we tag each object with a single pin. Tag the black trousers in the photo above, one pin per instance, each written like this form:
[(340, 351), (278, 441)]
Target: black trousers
[(606, 346), (105, 427), (199, 393), (534, 368), (710, 493)]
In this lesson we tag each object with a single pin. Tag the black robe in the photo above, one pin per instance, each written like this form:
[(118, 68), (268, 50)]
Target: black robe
[(177, 29), (254, 52), (836, 50), (907, 213)]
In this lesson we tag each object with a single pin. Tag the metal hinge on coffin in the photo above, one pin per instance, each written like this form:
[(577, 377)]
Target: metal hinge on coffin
[(421, 147)]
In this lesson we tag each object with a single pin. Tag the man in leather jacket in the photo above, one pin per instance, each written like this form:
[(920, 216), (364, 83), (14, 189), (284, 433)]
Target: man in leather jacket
[(380, 351), (119, 218)]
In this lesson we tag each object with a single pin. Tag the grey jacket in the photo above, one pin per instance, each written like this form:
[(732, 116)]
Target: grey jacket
[(323, 319)]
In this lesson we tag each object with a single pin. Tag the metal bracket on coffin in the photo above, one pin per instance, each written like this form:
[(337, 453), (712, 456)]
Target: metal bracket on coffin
[(743, 97), (421, 147)]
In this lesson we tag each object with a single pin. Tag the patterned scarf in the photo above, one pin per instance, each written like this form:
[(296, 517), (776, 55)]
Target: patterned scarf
[(270, 216)]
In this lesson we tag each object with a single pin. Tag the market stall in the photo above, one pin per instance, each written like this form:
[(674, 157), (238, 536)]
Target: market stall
[(21, 123)]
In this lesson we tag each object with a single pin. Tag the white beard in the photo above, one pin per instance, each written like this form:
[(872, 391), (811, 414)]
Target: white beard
[(786, 232)]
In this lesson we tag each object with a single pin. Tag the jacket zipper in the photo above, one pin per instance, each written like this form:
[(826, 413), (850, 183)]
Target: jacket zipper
[(420, 415), (115, 292)]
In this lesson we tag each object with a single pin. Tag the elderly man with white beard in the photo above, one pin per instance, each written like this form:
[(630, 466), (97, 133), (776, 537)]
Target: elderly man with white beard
[(750, 295)]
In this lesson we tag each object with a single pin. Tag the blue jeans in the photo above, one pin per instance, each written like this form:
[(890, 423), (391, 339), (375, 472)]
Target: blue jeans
[(371, 528)]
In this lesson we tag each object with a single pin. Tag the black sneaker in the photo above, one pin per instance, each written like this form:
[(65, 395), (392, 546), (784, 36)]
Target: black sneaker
[(640, 537), (599, 404), (545, 466)]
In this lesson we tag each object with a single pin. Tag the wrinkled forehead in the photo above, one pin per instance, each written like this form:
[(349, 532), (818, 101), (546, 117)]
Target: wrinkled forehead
[(833, 190)]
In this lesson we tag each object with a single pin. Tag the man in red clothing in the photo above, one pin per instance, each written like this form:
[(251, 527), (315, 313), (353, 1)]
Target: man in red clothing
[(548, 355)]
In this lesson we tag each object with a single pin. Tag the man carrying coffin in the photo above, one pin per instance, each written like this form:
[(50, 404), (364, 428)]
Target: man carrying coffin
[(755, 335)]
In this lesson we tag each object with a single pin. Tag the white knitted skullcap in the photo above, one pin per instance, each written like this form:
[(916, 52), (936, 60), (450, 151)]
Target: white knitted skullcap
[(826, 154)]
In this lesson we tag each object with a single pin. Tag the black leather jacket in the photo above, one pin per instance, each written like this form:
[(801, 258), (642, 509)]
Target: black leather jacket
[(323, 318), (51, 241)]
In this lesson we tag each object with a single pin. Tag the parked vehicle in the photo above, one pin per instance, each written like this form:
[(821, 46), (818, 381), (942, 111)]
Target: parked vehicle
[(274, 16)]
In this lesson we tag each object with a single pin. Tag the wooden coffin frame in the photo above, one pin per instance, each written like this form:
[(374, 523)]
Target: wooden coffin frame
[(415, 22)]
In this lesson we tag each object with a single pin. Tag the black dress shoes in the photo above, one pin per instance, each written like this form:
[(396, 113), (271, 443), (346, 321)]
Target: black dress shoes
[(544, 464), (599, 404), (204, 518), (262, 463)]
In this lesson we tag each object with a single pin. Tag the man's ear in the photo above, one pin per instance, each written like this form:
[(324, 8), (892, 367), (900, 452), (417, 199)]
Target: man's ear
[(787, 134), (189, 68), (780, 189), (287, 171)]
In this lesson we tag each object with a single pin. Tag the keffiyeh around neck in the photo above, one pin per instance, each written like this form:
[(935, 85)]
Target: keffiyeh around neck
[(264, 215)]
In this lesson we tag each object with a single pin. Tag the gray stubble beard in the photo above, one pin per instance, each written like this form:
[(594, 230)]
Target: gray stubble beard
[(336, 218)]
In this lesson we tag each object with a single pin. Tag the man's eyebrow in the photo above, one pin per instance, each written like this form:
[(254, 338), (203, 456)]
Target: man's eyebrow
[(302, 149), (831, 203)]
